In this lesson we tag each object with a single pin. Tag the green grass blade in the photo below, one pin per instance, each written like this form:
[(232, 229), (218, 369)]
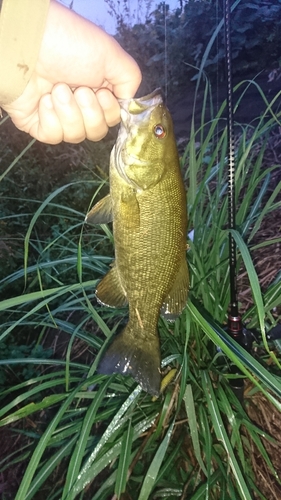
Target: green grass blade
[(243, 360), (85, 473), (43, 443), (94, 467), (254, 282), (124, 460), (35, 217), (16, 160), (222, 436), (192, 421), (150, 478), (79, 451), (49, 467), (30, 394), (32, 408)]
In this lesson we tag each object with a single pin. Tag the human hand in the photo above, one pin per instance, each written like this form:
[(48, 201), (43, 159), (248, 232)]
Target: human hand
[(80, 73)]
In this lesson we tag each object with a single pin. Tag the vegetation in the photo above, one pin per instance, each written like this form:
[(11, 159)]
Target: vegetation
[(83, 435), (194, 32)]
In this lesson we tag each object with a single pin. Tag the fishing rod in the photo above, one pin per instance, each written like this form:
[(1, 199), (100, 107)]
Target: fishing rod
[(235, 327), (234, 323)]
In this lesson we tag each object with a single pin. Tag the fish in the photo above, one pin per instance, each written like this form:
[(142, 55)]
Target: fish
[(147, 205)]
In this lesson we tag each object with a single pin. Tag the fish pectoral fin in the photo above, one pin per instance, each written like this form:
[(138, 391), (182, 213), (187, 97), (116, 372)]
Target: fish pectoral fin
[(177, 297), (101, 213), (129, 211), (132, 353), (110, 291)]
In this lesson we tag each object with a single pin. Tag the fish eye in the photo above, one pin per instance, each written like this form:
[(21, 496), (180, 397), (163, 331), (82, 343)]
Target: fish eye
[(159, 131)]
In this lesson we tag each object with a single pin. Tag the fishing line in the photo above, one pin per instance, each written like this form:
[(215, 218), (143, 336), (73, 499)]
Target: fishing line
[(165, 53), (217, 74)]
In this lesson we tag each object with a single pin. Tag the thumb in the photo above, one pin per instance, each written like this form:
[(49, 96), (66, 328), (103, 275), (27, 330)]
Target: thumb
[(125, 77)]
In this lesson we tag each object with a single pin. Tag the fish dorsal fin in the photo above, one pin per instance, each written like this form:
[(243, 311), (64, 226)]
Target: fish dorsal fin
[(177, 297), (101, 213), (110, 291)]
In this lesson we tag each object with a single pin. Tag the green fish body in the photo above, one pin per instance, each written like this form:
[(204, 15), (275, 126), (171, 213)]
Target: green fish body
[(147, 204)]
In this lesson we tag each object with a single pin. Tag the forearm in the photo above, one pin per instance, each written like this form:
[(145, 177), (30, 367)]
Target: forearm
[(22, 24)]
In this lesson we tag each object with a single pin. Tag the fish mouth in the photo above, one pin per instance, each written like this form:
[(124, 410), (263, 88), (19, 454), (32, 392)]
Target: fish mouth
[(140, 106), (133, 112)]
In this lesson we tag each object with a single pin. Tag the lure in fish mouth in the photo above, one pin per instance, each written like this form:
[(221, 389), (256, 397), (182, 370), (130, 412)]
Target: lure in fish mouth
[(147, 204)]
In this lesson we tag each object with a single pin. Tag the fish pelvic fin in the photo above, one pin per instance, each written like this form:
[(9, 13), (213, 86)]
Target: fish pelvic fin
[(110, 291), (101, 213), (135, 355), (177, 296)]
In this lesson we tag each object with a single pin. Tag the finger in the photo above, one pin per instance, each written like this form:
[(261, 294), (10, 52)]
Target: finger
[(69, 113), (124, 75), (95, 124), (109, 105), (48, 127)]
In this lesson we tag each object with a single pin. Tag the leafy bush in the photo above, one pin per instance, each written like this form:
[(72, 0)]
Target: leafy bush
[(18, 354), (170, 45)]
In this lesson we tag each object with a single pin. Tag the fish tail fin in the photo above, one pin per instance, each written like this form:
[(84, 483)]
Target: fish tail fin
[(133, 353)]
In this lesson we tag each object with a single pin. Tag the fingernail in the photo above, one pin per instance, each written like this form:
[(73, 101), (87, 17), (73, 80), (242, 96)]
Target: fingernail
[(84, 98), (63, 94)]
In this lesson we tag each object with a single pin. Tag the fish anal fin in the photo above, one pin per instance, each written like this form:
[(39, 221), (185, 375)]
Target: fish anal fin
[(131, 354), (177, 296), (101, 213), (110, 292)]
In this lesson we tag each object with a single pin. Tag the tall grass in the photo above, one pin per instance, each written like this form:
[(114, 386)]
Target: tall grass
[(102, 435)]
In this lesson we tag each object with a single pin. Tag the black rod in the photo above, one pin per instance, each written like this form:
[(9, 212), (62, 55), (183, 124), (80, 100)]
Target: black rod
[(231, 163), (234, 326)]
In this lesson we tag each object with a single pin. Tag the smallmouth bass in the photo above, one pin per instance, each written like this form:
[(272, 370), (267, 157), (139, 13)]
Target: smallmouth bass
[(147, 204)]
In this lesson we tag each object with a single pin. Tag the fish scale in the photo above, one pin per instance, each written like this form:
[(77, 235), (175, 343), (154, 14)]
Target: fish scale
[(147, 204)]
